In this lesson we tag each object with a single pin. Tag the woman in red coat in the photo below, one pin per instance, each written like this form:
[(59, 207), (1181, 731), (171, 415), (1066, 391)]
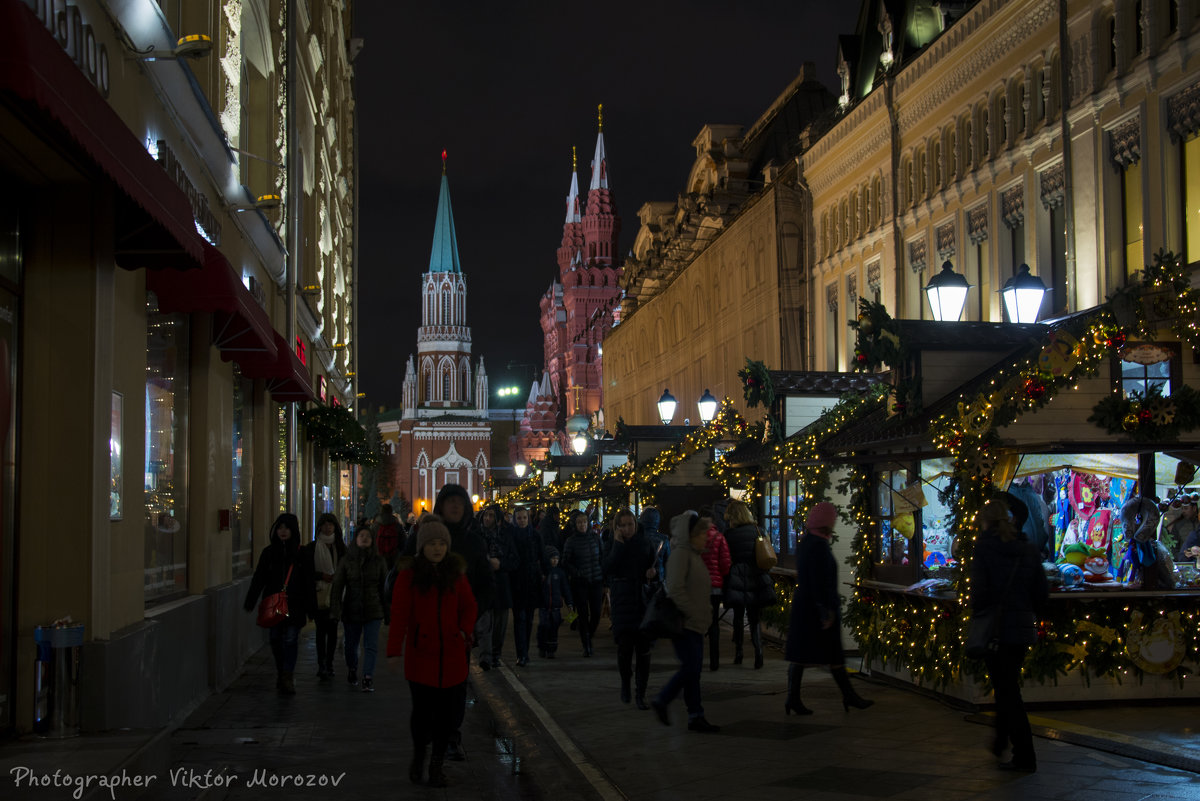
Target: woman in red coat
[(433, 615), (716, 559)]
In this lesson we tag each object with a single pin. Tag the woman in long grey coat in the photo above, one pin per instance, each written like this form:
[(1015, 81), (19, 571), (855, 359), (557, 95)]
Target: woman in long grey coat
[(814, 635)]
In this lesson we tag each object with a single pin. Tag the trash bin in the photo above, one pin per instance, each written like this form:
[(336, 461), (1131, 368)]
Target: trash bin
[(56, 680)]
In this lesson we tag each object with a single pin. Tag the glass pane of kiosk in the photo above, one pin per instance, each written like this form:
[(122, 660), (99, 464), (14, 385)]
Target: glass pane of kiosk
[(1074, 503)]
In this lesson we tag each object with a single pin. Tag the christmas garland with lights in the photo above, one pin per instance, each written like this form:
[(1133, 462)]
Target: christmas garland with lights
[(335, 429), (1150, 417), (642, 479)]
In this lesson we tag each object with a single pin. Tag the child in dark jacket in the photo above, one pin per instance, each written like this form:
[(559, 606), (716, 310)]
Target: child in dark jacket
[(555, 589)]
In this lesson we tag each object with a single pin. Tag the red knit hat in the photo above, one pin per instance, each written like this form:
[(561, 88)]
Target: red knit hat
[(823, 515)]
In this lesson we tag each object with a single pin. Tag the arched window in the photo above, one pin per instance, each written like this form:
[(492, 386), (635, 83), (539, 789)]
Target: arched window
[(951, 155), (985, 138), (968, 140), (447, 384), (935, 159), (920, 178), (1019, 109), (1001, 121), (445, 308), (428, 385), (877, 197)]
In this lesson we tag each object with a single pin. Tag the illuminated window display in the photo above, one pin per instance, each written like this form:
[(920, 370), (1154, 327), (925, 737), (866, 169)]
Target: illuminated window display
[(166, 452)]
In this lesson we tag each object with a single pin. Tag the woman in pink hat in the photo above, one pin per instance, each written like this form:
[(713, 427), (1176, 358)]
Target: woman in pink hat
[(815, 631)]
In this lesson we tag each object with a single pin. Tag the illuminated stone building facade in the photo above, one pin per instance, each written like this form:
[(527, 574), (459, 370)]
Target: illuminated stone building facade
[(949, 146), (716, 275), (176, 281)]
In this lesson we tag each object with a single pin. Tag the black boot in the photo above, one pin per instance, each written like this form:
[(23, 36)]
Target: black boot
[(437, 777), (793, 703), (849, 697), (642, 673), (416, 769), (756, 641), (737, 654), (626, 693)]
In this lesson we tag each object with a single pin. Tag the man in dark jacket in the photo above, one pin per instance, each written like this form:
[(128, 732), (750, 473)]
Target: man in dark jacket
[(453, 505)]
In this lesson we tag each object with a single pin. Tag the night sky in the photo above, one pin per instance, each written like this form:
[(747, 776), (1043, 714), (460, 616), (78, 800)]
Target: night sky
[(507, 89)]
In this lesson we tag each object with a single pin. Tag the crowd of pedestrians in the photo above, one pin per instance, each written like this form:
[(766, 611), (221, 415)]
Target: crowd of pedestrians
[(451, 581)]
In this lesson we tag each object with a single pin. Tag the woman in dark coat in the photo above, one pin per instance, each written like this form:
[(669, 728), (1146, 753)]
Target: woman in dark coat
[(628, 565), (276, 563), (357, 601), (581, 561), (815, 630), (1007, 569), (526, 582), (748, 588), (502, 556)]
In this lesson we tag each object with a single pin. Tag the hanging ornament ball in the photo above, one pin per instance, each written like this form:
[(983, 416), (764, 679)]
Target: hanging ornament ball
[(1118, 340), (861, 358), (864, 324), (1135, 407), (1034, 389), (1145, 416), (1130, 422)]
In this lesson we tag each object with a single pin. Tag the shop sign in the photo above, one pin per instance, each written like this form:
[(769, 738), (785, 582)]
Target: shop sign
[(65, 23), (205, 219)]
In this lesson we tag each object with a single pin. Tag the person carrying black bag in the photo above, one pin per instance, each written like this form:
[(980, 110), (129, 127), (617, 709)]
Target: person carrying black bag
[(1007, 572)]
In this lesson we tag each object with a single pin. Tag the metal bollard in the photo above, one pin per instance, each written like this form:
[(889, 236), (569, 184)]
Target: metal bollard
[(56, 680)]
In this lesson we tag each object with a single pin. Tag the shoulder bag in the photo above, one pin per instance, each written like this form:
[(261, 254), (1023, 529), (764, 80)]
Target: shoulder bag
[(764, 553), (662, 618), (983, 634), (273, 609)]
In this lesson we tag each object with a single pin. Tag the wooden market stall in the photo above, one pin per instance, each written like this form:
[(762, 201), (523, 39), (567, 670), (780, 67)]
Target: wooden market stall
[(1074, 420)]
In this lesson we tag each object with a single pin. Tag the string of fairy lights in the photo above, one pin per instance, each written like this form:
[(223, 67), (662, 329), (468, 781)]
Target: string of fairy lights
[(615, 486), (1097, 637)]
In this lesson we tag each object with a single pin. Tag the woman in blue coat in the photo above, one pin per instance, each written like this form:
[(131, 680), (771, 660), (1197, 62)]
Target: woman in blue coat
[(814, 635)]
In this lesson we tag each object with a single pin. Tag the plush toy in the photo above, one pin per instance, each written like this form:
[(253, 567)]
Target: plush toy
[(1148, 558)]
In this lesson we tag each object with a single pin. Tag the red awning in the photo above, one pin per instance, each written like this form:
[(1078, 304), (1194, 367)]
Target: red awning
[(287, 379), (40, 82), (294, 383), (241, 327)]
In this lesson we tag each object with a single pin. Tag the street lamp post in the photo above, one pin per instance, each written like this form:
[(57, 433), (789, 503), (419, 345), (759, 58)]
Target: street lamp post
[(708, 408), (666, 407), (947, 293), (1023, 295)]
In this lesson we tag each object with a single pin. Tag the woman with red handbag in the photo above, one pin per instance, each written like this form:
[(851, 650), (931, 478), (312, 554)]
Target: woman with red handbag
[(276, 575)]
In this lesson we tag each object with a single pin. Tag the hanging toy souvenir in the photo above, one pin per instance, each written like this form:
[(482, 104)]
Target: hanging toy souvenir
[(1061, 355)]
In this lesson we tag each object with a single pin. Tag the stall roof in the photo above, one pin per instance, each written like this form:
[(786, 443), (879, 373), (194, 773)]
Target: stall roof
[(912, 433), (820, 382)]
